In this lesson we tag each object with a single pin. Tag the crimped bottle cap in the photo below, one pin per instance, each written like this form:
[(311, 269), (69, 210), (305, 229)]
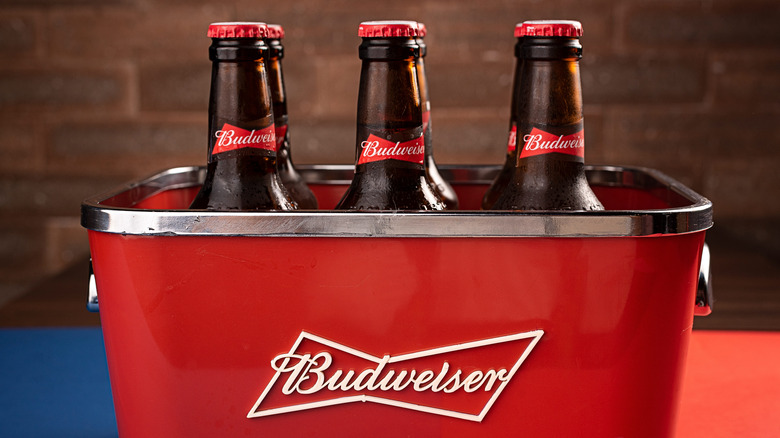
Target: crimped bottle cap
[(421, 30), (238, 29), (549, 28), (389, 28), (275, 31)]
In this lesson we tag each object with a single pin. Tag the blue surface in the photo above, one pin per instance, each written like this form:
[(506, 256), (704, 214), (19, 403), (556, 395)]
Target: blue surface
[(54, 383)]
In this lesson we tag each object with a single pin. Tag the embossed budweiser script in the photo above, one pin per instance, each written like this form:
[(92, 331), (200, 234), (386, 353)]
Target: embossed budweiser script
[(461, 380)]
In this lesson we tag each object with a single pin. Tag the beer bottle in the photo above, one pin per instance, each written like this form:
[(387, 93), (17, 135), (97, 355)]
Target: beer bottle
[(241, 172), (440, 185), (390, 149), (505, 174), (292, 180), (550, 170)]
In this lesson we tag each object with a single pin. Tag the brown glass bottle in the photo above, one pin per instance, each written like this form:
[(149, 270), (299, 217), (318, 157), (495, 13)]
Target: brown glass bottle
[(241, 172), (390, 151), (293, 181), (550, 169), (440, 185), (505, 174)]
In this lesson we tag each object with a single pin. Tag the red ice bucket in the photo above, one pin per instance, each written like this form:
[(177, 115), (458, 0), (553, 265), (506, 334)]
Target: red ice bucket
[(453, 324)]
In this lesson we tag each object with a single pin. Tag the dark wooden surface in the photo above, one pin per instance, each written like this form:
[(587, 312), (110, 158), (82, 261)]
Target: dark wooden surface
[(746, 285)]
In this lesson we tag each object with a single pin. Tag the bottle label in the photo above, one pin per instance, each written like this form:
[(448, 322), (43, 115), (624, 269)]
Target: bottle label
[(511, 145), (540, 142), (232, 137), (280, 132), (378, 149)]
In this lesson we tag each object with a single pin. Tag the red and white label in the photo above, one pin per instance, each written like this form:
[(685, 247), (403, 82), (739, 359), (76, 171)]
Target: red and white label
[(280, 132), (232, 137), (540, 142), (463, 380), (378, 149), (511, 145)]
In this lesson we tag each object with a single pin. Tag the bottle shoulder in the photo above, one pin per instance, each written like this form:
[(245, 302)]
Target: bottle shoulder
[(548, 183), (377, 186)]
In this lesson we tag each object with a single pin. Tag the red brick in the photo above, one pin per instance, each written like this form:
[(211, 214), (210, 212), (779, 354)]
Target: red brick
[(673, 140), (643, 79), (56, 88), (21, 147), (459, 83), (683, 142), (469, 136), (750, 135), (318, 141), (595, 148), (21, 249), (19, 34), (149, 33), (678, 25), (746, 79), (180, 86), (743, 189), (317, 85), (476, 29), (10, 289), (127, 148), (326, 28), (36, 198), (66, 3), (66, 242)]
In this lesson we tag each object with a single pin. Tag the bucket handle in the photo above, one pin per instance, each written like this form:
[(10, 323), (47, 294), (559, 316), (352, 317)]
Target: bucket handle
[(92, 297), (704, 298)]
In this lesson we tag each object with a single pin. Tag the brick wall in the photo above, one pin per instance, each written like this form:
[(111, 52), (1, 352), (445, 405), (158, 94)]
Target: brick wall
[(97, 92)]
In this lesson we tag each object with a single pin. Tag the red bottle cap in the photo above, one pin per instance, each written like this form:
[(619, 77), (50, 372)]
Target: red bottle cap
[(421, 30), (549, 28), (379, 29), (238, 30), (275, 31)]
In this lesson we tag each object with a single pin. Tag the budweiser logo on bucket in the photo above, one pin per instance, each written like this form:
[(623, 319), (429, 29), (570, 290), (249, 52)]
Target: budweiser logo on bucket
[(461, 381)]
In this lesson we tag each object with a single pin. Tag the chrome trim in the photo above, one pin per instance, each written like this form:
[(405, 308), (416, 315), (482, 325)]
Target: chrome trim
[(112, 212), (704, 296), (92, 297)]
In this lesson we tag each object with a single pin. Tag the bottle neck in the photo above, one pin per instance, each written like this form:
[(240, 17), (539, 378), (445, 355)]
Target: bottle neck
[(279, 98), (548, 102), (390, 113), (240, 107), (276, 79), (422, 82), (511, 147)]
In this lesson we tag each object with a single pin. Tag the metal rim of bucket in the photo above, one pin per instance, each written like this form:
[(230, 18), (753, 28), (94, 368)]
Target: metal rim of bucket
[(694, 215)]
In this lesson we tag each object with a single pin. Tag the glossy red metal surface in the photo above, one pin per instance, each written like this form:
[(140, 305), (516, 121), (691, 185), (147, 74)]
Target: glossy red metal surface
[(193, 325)]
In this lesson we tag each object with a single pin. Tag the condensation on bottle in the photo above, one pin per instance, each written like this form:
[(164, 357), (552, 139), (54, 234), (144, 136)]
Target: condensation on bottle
[(241, 173), (390, 145), (293, 181), (549, 172)]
